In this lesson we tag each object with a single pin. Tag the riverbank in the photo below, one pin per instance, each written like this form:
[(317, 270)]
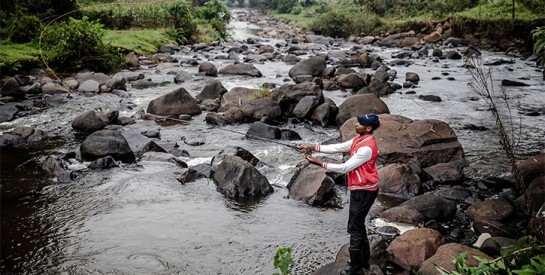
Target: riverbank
[(150, 217)]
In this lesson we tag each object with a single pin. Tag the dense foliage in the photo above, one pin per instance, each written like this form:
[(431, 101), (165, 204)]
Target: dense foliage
[(527, 257), (77, 44), (539, 44), (283, 260)]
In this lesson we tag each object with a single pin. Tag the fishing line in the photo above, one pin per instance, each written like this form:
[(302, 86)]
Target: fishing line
[(185, 122)]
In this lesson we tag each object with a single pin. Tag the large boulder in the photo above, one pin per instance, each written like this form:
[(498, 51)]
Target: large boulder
[(208, 69), (233, 151), (414, 246), (531, 168), (237, 178), (311, 184), (174, 104), (8, 112), (403, 140), (493, 209), (432, 207), (241, 69), (258, 108), (289, 95), (399, 180), (445, 255), (352, 81), (106, 143), (11, 88), (89, 122), (262, 130), (213, 89), (325, 113), (359, 105), (312, 66), (236, 97)]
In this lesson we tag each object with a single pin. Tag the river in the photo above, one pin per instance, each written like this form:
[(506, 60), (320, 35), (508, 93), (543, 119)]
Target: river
[(138, 219)]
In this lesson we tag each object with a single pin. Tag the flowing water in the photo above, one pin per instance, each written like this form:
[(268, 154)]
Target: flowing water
[(138, 219)]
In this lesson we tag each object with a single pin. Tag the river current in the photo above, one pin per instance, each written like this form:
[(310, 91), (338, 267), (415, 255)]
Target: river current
[(138, 219)]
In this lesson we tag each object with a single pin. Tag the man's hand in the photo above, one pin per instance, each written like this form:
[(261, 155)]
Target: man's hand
[(313, 160), (306, 149)]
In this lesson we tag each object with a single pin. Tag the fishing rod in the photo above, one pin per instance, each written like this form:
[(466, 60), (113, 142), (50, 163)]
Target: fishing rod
[(185, 122)]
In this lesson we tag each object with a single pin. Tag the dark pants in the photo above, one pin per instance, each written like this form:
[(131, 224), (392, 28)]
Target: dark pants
[(360, 204)]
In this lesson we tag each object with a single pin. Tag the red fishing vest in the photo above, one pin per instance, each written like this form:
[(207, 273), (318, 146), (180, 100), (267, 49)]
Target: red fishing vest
[(364, 177)]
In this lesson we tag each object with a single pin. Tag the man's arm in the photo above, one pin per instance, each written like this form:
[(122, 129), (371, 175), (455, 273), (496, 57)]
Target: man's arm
[(360, 157)]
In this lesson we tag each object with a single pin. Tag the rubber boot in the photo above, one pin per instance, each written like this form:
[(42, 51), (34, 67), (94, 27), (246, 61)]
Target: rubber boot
[(356, 263)]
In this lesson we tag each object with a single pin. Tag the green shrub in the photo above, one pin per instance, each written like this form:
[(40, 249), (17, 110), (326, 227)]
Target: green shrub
[(527, 257), (539, 45), (76, 45), (183, 26), (297, 10), (283, 260), (22, 28), (218, 15), (334, 23), (261, 93)]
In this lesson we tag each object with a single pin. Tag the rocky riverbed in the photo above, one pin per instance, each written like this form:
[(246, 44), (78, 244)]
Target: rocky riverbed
[(158, 170)]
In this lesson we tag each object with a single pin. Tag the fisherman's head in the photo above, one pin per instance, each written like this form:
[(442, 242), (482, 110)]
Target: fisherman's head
[(367, 123)]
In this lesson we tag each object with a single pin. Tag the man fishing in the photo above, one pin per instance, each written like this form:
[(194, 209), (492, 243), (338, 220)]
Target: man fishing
[(362, 177)]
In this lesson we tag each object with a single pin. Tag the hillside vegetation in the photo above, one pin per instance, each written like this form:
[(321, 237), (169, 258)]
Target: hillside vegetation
[(69, 35)]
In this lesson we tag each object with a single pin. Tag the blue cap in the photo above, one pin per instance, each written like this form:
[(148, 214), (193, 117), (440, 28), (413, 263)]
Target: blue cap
[(369, 120)]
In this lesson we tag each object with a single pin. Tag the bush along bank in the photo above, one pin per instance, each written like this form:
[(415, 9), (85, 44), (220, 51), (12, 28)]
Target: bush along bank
[(85, 47)]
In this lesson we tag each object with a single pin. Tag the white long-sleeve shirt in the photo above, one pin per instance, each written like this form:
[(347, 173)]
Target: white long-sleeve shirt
[(360, 157)]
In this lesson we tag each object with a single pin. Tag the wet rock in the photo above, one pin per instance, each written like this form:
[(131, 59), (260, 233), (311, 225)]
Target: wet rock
[(454, 55), (403, 214), (264, 107), (260, 129), (311, 184), (132, 60), (33, 89), (400, 139), (359, 105), (445, 255), (8, 112), (55, 167), (236, 97), (490, 246), (432, 207), (106, 143), (163, 157), (103, 163), (241, 69), (101, 78), (213, 89), (353, 81), (143, 84), (89, 122), (474, 127), (453, 193), (493, 209), (379, 257), (432, 98), (89, 86), (22, 137), (208, 69), (196, 172), (174, 104), (534, 196), (312, 66), (234, 151), (500, 61), (412, 77), (450, 172), (291, 59), (325, 113), (168, 48), (289, 95), (399, 180), (287, 134), (531, 168), (131, 76), (11, 88), (414, 246), (513, 83), (237, 178), (54, 89), (455, 42), (305, 106)]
